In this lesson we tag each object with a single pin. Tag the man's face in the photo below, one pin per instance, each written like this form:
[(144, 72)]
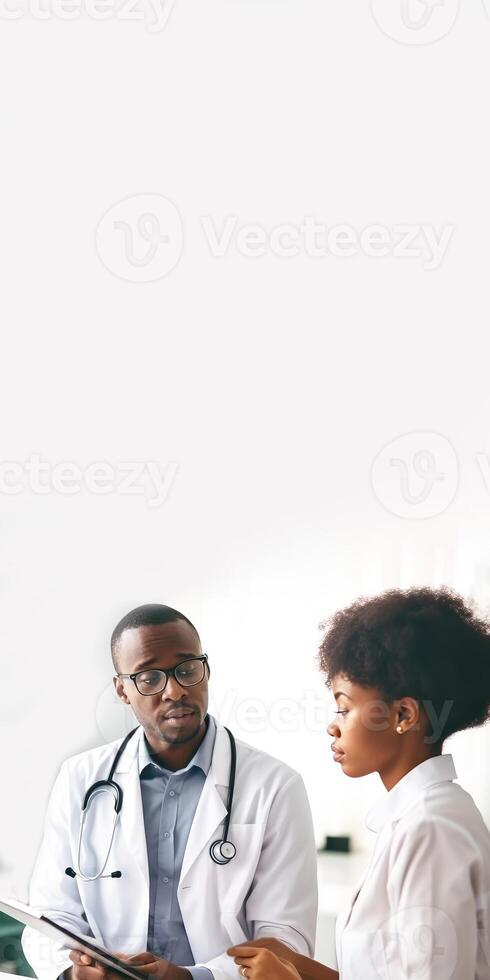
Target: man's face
[(162, 647)]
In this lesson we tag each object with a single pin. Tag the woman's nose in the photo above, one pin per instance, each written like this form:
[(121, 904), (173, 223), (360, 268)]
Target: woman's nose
[(333, 729)]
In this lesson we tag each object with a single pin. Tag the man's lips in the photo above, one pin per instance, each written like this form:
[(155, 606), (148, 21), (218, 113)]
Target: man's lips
[(178, 713)]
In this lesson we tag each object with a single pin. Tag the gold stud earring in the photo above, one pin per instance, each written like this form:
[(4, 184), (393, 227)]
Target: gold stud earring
[(399, 729)]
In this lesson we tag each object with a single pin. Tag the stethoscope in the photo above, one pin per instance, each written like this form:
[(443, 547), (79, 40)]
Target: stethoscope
[(222, 851)]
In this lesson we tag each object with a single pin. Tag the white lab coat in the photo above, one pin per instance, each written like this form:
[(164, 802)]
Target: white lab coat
[(422, 911), (269, 888)]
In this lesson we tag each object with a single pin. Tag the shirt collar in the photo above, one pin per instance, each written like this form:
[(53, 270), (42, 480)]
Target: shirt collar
[(439, 769), (202, 757)]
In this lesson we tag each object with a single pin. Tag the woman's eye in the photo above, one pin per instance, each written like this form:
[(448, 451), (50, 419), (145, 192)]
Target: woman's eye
[(344, 712)]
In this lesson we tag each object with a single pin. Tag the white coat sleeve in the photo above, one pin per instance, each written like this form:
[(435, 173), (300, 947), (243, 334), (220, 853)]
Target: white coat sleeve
[(283, 899), (51, 891), (432, 930)]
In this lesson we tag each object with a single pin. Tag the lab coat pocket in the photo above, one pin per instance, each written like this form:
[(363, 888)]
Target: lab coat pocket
[(234, 880)]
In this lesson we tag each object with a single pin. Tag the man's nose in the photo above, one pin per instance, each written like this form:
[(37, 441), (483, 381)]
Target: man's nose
[(173, 691)]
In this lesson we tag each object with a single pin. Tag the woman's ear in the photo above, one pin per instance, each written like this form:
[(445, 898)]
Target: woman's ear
[(408, 715)]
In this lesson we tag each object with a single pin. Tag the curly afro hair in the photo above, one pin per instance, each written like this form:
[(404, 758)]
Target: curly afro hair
[(422, 643)]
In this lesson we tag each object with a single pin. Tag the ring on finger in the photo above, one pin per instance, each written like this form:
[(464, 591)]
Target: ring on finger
[(243, 971)]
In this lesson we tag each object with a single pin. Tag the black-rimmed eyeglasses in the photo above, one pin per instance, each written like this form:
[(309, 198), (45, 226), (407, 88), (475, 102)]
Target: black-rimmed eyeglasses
[(187, 674)]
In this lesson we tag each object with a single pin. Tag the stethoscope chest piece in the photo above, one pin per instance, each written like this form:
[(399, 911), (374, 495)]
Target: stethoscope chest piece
[(222, 851)]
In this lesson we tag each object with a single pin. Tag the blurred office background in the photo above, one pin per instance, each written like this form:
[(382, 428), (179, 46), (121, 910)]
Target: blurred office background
[(319, 422)]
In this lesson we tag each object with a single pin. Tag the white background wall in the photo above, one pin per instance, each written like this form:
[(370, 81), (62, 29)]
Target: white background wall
[(262, 385)]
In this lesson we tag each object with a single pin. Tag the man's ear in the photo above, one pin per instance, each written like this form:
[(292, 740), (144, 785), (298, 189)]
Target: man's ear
[(120, 692)]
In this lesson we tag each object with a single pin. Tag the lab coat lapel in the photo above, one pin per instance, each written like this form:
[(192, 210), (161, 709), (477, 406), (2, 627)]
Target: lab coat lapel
[(211, 810), (131, 816), (382, 841)]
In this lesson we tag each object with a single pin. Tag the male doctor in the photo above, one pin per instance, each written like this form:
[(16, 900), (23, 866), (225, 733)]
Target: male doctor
[(171, 900)]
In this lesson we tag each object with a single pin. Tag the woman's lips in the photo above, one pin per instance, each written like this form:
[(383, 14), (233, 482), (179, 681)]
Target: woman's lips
[(337, 754)]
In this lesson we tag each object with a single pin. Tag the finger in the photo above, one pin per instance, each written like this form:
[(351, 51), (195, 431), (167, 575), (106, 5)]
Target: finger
[(245, 949), (89, 972), (139, 958), (261, 941), (148, 968), (245, 960), (77, 957)]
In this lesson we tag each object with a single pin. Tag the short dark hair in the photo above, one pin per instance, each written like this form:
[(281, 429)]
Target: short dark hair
[(153, 614), (422, 643)]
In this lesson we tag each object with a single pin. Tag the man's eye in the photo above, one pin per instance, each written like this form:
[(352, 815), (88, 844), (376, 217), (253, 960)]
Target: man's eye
[(149, 679)]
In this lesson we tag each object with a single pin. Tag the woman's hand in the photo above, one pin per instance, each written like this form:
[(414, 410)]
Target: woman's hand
[(259, 963), (282, 950)]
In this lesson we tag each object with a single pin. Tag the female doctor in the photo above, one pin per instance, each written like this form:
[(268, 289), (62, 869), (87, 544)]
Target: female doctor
[(407, 670)]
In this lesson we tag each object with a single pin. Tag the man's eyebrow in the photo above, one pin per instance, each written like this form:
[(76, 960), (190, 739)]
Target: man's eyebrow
[(342, 694), (180, 656)]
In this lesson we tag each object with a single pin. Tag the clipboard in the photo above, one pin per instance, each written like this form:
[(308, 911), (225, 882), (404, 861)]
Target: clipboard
[(72, 940)]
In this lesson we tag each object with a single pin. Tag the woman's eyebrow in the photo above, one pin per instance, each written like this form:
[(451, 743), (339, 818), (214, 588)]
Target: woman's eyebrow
[(343, 695)]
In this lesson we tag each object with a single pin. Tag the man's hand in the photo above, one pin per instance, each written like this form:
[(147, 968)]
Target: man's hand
[(259, 963), (155, 966), (86, 968)]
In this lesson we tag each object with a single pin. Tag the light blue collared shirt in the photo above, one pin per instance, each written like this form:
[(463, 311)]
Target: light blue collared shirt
[(169, 803)]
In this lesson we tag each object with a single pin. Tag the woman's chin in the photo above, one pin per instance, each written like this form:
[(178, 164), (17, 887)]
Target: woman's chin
[(350, 769), (355, 771)]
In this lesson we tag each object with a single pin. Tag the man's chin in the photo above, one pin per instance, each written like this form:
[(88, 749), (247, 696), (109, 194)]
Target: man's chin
[(179, 734)]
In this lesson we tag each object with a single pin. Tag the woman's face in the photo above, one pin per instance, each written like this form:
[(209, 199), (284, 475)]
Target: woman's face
[(364, 732)]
